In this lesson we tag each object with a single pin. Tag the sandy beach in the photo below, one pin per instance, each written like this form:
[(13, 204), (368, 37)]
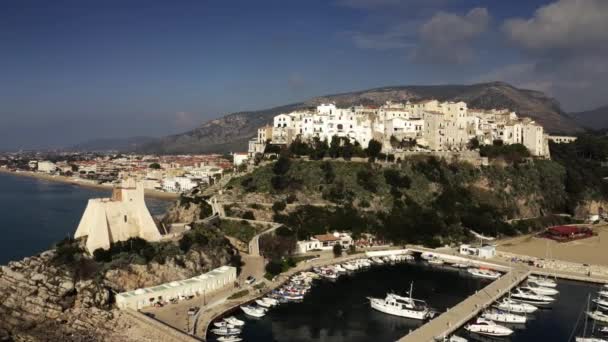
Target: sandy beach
[(590, 251), (80, 182)]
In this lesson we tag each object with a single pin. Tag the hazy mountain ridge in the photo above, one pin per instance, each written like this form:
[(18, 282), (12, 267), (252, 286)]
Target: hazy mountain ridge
[(231, 133), (113, 144), (593, 119)]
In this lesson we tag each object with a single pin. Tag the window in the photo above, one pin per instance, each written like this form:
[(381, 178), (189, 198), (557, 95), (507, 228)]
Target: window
[(125, 218)]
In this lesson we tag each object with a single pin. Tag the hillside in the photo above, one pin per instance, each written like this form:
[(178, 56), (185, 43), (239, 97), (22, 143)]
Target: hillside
[(593, 119), (231, 132)]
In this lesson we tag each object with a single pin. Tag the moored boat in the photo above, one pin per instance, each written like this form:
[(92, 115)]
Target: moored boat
[(541, 290), (229, 339), (234, 321), (226, 331), (253, 311), (540, 281), (598, 316), (400, 306), (488, 328), (510, 305), (531, 298), (483, 273), (504, 317)]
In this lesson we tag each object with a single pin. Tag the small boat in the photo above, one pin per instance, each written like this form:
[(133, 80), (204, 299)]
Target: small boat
[(234, 321), (598, 316), (488, 328), (531, 298), (272, 301), (436, 261), (377, 260), (504, 317), (229, 339), (226, 331), (262, 303), (601, 302), (401, 306), (223, 324), (544, 282), (603, 293), (455, 338), (483, 273), (350, 267), (545, 291), (253, 311), (510, 305), (461, 266)]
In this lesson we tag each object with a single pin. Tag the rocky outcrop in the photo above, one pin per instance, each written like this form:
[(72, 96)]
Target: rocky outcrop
[(40, 301)]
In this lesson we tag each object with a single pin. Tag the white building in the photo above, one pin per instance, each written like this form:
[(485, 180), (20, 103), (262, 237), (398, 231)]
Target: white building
[(46, 166), (119, 218), (239, 158), (179, 184), (561, 139), (204, 284), (324, 242)]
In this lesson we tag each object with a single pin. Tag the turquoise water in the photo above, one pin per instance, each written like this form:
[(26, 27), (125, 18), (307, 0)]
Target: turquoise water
[(34, 214)]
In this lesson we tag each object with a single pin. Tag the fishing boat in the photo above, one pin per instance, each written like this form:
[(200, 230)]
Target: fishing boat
[(531, 298), (509, 305), (488, 328), (545, 291), (229, 339), (484, 273), (402, 306), (504, 317), (234, 321), (253, 311)]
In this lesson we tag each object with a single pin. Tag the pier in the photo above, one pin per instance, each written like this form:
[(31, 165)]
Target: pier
[(455, 317)]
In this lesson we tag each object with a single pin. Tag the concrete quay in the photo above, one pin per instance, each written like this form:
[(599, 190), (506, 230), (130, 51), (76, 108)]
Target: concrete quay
[(455, 317)]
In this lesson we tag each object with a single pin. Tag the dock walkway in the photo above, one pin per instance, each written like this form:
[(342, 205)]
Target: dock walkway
[(455, 317)]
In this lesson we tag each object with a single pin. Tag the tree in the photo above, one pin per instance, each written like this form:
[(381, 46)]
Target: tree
[(473, 144), (281, 166), (334, 147), (337, 250), (154, 166), (366, 179), (279, 206), (373, 149)]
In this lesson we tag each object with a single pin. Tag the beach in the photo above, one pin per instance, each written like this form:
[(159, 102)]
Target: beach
[(591, 251), (166, 196)]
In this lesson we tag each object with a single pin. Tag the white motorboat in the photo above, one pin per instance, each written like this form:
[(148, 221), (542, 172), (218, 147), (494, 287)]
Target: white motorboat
[(226, 331), (455, 338), (590, 339), (234, 321), (510, 305), (545, 291), (401, 306), (223, 324), (262, 303), (488, 328), (531, 298), (229, 339), (604, 330), (253, 311), (544, 282), (436, 261), (462, 266), (350, 267), (483, 273), (603, 293), (601, 302), (504, 317), (598, 316), (377, 260), (271, 301)]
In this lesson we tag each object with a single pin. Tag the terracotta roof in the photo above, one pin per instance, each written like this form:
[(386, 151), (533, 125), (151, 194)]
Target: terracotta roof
[(326, 237)]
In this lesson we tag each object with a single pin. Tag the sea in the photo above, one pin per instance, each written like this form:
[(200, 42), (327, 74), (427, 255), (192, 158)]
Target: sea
[(339, 311), (35, 214)]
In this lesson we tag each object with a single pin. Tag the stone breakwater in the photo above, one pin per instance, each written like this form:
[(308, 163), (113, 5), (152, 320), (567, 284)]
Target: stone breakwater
[(41, 302)]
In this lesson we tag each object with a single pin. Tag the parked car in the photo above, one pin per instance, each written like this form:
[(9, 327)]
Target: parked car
[(193, 310), (250, 280)]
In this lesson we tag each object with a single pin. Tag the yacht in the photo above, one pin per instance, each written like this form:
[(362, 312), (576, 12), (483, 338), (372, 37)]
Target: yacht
[(601, 302), (598, 316), (229, 339), (483, 273), (226, 331), (401, 306), (509, 305), (531, 298), (263, 303), (234, 321), (488, 328), (545, 291), (544, 282), (253, 311), (504, 317)]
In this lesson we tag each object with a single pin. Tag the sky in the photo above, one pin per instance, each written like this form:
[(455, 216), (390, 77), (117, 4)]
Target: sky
[(72, 71)]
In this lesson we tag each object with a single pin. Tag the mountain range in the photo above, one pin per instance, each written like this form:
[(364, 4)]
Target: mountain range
[(232, 132), (593, 119)]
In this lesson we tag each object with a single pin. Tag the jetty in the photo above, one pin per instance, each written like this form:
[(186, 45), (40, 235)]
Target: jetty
[(450, 321)]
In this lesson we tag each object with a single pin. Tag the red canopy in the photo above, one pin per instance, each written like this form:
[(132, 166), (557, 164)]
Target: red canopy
[(565, 230)]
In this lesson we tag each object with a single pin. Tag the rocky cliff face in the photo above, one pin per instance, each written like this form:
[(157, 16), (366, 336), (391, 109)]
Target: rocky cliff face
[(43, 302), (231, 133)]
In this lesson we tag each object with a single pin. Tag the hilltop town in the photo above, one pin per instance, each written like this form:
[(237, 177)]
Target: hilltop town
[(425, 126)]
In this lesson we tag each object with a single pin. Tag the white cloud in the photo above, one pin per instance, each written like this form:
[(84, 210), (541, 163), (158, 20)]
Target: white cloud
[(447, 37), (397, 37), (562, 25)]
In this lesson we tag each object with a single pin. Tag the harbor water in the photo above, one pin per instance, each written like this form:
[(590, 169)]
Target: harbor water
[(338, 311), (37, 213)]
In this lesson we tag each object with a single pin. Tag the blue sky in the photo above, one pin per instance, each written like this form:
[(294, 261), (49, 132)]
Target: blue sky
[(77, 70)]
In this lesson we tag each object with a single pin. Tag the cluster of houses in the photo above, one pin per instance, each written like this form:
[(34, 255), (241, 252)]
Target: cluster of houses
[(432, 125)]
